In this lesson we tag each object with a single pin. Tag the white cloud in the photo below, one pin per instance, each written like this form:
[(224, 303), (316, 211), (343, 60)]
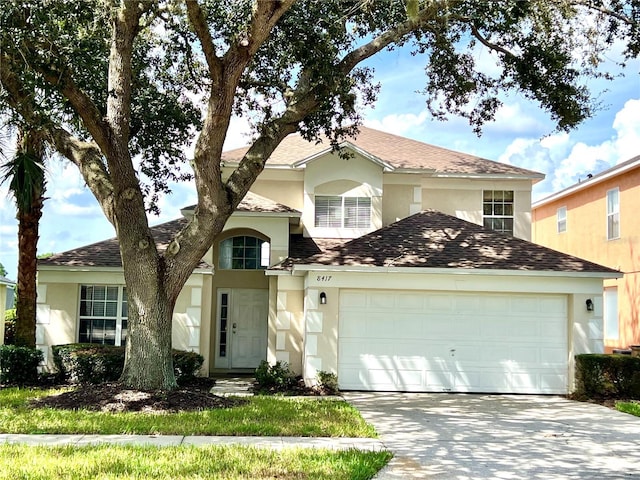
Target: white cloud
[(565, 160), (398, 124)]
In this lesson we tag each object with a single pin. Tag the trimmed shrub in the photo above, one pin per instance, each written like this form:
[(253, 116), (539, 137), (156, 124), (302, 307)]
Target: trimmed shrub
[(19, 365), (328, 382), (275, 378), (608, 376), (186, 364), (87, 362), (10, 326), (93, 363)]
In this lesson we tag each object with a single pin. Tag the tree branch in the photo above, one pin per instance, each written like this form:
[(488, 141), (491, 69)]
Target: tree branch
[(590, 5), (199, 24), (88, 158), (382, 41)]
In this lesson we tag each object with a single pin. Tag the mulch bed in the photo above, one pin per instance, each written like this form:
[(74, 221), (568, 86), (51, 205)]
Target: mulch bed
[(113, 397)]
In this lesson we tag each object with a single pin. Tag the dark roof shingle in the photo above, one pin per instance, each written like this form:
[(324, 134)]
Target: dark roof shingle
[(432, 239), (107, 252)]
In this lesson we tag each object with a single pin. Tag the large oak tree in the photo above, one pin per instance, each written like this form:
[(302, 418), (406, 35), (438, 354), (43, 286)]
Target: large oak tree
[(114, 84)]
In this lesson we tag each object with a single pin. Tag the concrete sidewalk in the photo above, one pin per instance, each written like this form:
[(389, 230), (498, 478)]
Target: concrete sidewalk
[(332, 443)]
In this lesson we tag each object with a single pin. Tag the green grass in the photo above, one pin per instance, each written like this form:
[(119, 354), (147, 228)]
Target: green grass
[(261, 416), (629, 407), (109, 462)]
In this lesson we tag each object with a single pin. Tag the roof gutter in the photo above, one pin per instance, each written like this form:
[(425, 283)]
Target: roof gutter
[(606, 175), (451, 271)]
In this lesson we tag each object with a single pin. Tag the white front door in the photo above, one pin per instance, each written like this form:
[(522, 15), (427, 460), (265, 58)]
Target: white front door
[(248, 327)]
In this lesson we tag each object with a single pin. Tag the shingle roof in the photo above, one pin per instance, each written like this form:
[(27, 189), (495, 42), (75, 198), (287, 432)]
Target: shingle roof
[(107, 252), (432, 239), (399, 152), (252, 202)]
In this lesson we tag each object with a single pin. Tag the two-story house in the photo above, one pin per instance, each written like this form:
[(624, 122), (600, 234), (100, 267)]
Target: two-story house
[(597, 219), (400, 266)]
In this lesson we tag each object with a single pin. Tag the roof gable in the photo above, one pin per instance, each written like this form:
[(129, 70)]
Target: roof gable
[(393, 151), (432, 239)]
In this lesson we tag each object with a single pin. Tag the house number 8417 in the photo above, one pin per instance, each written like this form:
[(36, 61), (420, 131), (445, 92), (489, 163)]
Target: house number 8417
[(323, 278)]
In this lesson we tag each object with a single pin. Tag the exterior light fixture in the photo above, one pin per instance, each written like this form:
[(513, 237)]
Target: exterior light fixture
[(323, 298), (589, 303)]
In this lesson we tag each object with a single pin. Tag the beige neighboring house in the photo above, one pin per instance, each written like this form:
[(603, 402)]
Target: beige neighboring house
[(405, 267), (5, 284)]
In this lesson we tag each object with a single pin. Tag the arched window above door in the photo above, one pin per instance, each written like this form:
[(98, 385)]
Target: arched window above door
[(244, 253)]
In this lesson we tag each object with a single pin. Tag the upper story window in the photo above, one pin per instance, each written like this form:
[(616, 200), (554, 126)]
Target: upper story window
[(497, 210), (613, 214), (103, 314), (244, 253), (343, 212), (561, 216)]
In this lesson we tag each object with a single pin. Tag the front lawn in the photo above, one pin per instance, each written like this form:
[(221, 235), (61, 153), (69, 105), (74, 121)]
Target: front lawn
[(629, 407), (109, 462), (259, 416)]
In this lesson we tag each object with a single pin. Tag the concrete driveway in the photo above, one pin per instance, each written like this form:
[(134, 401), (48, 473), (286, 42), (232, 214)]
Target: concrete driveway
[(461, 436)]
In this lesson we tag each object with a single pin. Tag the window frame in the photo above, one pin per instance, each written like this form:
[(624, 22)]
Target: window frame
[(613, 214), (495, 218), (230, 260), (561, 220), (342, 212), (121, 317)]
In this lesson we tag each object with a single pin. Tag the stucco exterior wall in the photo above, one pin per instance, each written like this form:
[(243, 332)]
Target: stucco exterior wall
[(586, 237), (286, 339), (463, 198), (332, 175), (58, 310), (399, 201)]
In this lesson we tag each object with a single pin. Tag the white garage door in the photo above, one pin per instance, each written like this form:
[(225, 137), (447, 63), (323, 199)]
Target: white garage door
[(452, 342)]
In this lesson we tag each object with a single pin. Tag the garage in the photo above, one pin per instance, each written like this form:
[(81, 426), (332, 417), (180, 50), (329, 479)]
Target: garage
[(440, 341)]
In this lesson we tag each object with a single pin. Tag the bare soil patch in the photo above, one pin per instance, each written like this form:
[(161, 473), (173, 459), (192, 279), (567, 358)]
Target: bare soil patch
[(114, 397)]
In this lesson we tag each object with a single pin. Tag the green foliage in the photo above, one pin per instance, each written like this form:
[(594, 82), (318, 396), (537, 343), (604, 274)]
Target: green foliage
[(10, 326), (19, 365), (260, 415), (229, 462), (607, 376), (632, 408), (186, 364), (88, 363), (3, 271), (275, 378), (93, 363), (25, 174), (328, 382)]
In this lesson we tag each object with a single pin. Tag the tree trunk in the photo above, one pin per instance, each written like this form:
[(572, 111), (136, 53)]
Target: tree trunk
[(148, 354), (29, 204), (28, 223)]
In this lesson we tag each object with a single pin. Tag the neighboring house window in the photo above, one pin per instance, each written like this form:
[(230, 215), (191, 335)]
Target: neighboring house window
[(497, 210), (611, 324), (562, 219), (103, 314), (343, 212), (613, 214), (244, 253)]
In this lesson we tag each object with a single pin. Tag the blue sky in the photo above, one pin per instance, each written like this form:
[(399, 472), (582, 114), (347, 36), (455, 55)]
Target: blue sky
[(522, 135)]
